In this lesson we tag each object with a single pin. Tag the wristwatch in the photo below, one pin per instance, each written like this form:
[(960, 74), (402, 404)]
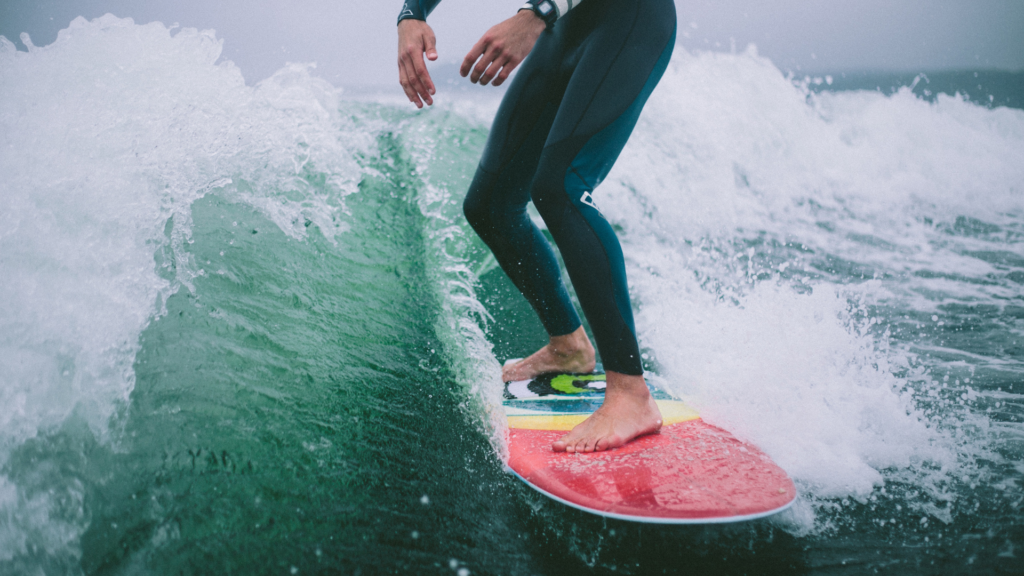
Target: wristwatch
[(544, 9)]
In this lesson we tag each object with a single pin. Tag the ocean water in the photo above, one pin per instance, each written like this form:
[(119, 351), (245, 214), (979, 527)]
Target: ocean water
[(245, 329), (991, 88)]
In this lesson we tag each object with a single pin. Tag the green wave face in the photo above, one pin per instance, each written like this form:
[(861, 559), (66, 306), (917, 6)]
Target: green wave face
[(298, 405)]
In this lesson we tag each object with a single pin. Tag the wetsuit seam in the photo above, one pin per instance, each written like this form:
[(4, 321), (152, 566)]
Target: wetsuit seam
[(522, 142), (608, 70), (580, 176)]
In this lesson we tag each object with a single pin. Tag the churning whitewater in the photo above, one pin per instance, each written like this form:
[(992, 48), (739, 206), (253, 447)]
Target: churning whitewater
[(246, 329)]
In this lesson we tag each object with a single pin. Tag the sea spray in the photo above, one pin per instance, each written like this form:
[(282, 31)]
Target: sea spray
[(109, 135), (770, 233), (166, 130), (439, 141)]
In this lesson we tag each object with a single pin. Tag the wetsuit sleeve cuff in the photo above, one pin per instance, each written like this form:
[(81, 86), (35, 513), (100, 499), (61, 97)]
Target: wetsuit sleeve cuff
[(417, 9)]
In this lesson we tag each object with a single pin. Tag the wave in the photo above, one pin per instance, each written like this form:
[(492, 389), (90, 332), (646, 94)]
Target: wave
[(778, 238), (221, 293), (116, 134)]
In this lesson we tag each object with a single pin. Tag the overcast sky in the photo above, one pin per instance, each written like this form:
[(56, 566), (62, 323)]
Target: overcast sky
[(354, 42)]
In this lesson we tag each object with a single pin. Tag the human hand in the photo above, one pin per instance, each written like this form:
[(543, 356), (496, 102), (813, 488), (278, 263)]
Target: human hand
[(415, 38), (502, 48)]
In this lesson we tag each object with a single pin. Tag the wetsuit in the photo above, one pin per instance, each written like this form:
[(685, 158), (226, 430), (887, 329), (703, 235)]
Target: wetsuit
[(548, 10), (560, 127)]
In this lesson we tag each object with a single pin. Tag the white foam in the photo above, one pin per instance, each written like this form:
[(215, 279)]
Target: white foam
[(107, 135), (445, 169), (729, 154)]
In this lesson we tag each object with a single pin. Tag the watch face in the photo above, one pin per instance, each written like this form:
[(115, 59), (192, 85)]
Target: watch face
[(545, 8)]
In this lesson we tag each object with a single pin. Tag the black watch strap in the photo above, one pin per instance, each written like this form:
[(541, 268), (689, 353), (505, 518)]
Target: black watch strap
[(547, 10)]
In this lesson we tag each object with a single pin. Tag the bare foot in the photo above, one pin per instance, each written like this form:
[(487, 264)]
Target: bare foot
[(569, 353), (628, 412)]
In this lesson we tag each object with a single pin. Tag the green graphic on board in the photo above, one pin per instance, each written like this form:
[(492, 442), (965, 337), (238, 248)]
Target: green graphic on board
[(567, 382)]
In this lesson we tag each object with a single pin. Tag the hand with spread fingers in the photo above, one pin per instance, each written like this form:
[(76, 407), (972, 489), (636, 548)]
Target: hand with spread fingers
[(416, 38), (502, 48)]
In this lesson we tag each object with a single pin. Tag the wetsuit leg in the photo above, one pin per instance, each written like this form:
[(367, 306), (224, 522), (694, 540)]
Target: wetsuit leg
[(496, 203), (621, 60), (580, 92)]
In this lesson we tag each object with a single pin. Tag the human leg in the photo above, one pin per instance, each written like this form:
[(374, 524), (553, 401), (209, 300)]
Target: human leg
[(622, 60), (496, 209)]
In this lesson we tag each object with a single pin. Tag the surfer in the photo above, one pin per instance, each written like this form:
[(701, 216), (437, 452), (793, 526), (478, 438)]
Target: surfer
[(562, 124)]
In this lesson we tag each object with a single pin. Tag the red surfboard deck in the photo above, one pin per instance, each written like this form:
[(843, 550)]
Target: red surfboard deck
[(689, 473)]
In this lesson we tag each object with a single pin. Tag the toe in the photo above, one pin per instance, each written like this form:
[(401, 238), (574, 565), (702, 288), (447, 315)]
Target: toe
[(559, 445), (613, 441)]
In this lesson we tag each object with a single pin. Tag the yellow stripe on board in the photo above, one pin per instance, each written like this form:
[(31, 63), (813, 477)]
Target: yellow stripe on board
[(672, 412)]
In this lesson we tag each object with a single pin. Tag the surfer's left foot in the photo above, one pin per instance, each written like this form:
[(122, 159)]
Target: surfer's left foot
[(628, 412), (571, 352)]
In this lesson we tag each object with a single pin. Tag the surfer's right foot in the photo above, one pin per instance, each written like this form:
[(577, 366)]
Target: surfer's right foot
[(628, 411), (569, 353)]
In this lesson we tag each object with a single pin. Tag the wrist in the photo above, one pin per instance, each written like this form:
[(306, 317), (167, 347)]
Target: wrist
[(409, 21), (531, 19), (545, 10)]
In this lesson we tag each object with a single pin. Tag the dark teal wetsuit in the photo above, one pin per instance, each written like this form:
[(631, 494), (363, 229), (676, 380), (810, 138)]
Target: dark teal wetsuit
[(562, 124)]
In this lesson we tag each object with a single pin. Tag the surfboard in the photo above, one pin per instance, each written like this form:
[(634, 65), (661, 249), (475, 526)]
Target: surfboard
[(691, 472)]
